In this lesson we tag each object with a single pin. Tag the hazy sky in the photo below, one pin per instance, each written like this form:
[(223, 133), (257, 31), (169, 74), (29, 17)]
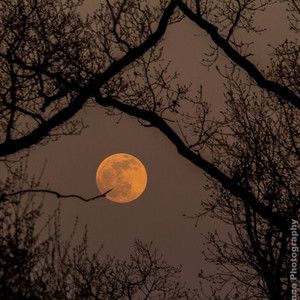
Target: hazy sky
[(175, 186)]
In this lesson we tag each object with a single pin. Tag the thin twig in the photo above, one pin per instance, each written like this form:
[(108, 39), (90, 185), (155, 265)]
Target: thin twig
[(57, 194)]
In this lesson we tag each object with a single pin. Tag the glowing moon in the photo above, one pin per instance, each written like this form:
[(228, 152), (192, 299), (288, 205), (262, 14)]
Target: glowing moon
[(124, 175)]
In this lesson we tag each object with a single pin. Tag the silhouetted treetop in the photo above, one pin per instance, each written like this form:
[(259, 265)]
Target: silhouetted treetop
[(37, 263), (54, 62)]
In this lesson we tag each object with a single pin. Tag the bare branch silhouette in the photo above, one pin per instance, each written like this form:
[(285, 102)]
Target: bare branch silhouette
[(54, 193), (123, 73), (37, 263), (114, 58), (230, 184), (281, 91)]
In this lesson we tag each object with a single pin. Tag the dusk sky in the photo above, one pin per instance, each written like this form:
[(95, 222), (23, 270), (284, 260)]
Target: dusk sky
[(175, 187)]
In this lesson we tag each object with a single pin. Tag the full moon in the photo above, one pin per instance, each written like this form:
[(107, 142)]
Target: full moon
[(123, 175)]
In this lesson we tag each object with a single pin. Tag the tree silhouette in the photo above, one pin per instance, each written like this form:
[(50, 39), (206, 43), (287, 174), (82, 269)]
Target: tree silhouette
[(37, 263), (254, 261), (55, 62), (49, 75)]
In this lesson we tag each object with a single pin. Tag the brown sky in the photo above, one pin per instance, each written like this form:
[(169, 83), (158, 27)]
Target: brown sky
[(175, 186)]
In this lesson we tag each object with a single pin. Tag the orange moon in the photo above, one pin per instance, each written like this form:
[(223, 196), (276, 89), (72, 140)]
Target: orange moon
[(123, 175)]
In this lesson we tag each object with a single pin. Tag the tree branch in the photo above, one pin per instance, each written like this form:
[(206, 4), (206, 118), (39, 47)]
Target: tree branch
[(269, 85), (84, 93), (210, 169), (56, 194)]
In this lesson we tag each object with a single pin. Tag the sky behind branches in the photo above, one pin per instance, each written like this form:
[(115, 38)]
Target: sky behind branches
[(175, 186)]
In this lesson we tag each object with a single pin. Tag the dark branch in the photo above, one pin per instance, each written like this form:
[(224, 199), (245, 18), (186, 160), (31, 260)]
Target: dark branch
[(56, 194), (84, 93), (277, 219), (269, 85), (41, 132)]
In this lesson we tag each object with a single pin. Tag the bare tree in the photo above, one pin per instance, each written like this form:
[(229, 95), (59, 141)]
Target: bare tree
[(49, 75), (254, 261), (114, 58), (37, 263)]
